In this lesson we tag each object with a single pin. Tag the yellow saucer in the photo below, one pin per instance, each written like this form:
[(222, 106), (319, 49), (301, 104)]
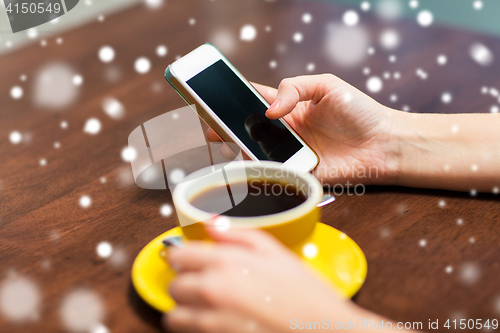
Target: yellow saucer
[(327, 250)]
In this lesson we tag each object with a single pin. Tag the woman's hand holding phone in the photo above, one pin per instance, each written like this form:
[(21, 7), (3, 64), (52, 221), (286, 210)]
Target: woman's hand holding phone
[(352, 133)]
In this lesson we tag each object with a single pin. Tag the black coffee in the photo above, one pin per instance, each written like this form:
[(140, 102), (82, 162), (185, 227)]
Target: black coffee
[(262, 198)]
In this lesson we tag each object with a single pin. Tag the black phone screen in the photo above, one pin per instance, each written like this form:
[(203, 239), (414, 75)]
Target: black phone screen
[(244, 113)]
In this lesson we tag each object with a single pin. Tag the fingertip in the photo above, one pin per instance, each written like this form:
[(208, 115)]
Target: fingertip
[(274, 106), (272, 114)]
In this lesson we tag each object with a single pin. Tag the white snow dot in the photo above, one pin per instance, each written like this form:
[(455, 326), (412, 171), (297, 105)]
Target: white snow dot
[(176, 176), (481, 54), (473, 192), (397, 75), (469, 273), (442, 60), (53, 86), (371, 51), (59, 40), (16, 92), (192, 21), (310, 250), (166, 210), (32, 33), (460, 221), (77, 80), (142, 65), (366, 71), (104, 249), (393, 98), (478, 5), (113, 108), (422, 243), (374, 84), (472, 240), (348, 97), (100, 18), (448, 269), (103, 180), (222, 223), (19, 299), (454, 128), (85, 201), (99, 328), (406, 108), (82, 310), (57, 145), (307, 18), (298, 37), (392, 58), (23, 77), (446, 98), (273, 64), (15, 137), (310, 67), (350, 18), (64, 124), (365, 6), (161, 50), (484, 90), (387, 75), (389, 39), (154, 4), (413, 4), (92, 126), (425, 18), (385, 232), (474, 167), (106, 54), (43, 162), (494, 109), (495, 190), (268, 28), (248, 33), (129, 154), (421, 73), (446, 167), (442, 203)]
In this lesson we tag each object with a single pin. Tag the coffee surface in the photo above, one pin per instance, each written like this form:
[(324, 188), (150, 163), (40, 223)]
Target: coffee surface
[(262, 198)]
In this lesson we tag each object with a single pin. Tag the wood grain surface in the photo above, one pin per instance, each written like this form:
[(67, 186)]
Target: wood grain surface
[(47, 238)]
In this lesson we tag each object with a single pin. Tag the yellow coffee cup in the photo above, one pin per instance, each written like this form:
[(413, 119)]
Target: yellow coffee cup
[(291, 226)]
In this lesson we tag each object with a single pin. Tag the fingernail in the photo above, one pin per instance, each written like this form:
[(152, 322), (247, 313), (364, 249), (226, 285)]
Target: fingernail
[(274, 106)]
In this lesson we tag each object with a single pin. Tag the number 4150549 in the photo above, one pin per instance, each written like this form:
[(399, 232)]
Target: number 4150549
[(33, 8), (463, 324)]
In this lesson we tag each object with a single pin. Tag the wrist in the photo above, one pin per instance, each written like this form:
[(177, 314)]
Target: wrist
[(399, 133), (407, 145)]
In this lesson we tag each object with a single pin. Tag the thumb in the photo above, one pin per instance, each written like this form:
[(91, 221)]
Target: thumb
[(220, 230), (298, 89)]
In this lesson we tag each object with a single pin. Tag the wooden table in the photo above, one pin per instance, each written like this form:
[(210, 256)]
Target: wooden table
[(46, 237)]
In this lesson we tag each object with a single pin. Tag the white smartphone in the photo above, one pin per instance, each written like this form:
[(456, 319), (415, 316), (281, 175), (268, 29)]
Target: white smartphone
[(229, 104)]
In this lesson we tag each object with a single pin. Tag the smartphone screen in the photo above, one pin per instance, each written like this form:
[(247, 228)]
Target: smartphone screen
[(244, 113)]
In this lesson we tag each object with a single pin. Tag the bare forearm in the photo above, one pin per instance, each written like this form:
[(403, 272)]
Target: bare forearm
[(459, 152)]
